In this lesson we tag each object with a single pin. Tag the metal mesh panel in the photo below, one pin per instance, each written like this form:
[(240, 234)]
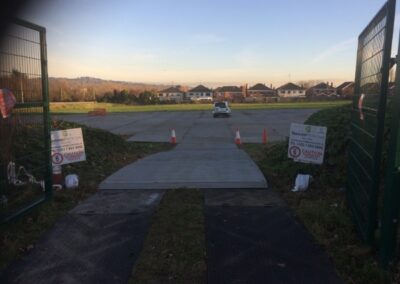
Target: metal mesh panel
[(24, 137), (373, 56)]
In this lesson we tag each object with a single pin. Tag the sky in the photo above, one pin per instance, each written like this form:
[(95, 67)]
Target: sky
[(210, 42)]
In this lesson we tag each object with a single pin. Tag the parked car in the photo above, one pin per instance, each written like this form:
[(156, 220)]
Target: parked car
[(221, 109)]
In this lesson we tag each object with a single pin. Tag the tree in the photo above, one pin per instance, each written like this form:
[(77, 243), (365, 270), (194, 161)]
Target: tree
[(147, 98)]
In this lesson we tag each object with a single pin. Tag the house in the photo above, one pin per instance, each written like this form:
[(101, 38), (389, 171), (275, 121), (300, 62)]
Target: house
[(230, 93), (322, 90), (345, 89), (291, 90), (199, 93), (174, 93), (260, 90)]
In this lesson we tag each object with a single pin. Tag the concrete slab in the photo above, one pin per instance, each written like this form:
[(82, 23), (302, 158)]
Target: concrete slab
[(119, 202), (206, 158), (212, 168)]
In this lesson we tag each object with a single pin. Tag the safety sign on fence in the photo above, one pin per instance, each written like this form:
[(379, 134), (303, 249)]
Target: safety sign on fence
[(67, 146), (307, 143)]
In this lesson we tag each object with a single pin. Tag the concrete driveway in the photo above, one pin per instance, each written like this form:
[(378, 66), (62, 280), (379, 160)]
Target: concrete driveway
[(155, 126), (205, 157)]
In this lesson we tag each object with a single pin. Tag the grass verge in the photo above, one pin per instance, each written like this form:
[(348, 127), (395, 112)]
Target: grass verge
[(105, 153), (64, 108), (323, 208), (174, 250)]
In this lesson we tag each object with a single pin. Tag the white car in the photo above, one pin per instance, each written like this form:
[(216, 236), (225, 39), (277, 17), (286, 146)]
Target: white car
[(221, 109)]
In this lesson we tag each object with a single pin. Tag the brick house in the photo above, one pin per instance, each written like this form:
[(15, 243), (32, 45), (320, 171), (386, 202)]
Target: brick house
[(174, 93), (230, 93), (345, 89), (322, 90), (199, 93), (259, 92), (291, 90)]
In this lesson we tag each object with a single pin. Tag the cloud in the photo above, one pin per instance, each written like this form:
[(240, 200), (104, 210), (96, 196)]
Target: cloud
[(335, 49), (207, 38)]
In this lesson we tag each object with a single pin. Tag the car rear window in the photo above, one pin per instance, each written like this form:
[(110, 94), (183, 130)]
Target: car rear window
[(221, 105)]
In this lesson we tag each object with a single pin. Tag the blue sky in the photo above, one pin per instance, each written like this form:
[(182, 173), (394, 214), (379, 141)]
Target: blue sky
[(210, 42)]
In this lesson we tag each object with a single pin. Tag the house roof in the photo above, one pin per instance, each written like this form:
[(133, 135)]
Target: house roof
[(200, 88), (228, 89), (344, 84), (322, 86), (259, 87), (175, 89), (290, 86)]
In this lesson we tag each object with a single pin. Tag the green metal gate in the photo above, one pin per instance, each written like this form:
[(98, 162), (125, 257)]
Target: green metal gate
[(389, 247), (368, 114), (25, 165)]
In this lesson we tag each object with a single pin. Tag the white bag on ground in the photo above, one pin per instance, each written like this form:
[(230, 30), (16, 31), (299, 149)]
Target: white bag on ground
[(71, 181), (302, 182)]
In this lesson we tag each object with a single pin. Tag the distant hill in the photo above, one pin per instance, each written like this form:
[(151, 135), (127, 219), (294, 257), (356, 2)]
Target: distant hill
[(86, 88)]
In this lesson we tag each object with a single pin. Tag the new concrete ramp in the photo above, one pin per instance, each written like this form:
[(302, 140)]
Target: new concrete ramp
[(206, 158), (200, 168)]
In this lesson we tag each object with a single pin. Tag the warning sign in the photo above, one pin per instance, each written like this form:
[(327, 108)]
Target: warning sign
[(307, 143), (67, 146)]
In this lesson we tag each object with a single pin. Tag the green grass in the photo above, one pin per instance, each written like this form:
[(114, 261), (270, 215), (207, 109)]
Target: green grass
[(174, 250), (58, 108), (106, 153), (323, 208)]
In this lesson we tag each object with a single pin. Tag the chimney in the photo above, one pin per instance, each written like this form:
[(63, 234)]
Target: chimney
[(332, 84), (270, 86), (244, 90)]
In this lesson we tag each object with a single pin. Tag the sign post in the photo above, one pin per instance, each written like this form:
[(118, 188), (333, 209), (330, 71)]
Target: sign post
[(307, 143), (67, 146)]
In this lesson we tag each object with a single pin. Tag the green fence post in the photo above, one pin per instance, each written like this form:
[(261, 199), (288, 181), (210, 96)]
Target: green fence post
[(46, 112)]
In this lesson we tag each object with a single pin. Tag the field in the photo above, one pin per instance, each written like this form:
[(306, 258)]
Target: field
[(84, 107)]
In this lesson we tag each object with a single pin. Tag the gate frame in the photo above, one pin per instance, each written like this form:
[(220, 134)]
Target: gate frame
[(45, 105), (367, 234), (391, 200)]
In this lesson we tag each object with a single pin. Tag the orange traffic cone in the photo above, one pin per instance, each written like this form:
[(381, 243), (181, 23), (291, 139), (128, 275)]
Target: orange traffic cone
[(264, 136), (173, 136), (237, 138)]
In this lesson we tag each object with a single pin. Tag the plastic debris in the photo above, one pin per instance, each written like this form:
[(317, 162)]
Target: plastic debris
[(3, 200), (71, 181), (302, 182)]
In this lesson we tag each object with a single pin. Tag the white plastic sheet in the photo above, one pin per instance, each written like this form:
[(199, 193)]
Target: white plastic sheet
[(302, 182), (71, 181)]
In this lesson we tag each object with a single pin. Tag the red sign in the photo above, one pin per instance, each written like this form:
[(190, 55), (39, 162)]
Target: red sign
[(7, 102), (294, 151)]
